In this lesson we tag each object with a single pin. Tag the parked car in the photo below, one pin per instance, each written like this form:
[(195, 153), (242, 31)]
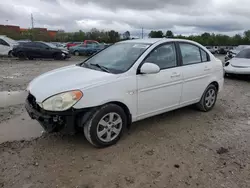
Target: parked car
[(211, 49), (126, 82), (6, 45), (240, 64), (232, 53), (33, 50), (222, 51), (87, 50), (85, 42), (60, 45)]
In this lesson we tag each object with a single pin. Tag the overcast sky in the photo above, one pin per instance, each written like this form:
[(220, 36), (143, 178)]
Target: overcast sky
[(180, 16)]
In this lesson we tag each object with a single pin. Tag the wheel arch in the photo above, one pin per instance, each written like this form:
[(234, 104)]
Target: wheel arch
[(216, 84), (126, 110), (90, 111)]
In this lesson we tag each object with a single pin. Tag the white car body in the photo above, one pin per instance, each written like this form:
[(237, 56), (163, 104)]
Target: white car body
[(144, 95), (6, 45), (238, 66)]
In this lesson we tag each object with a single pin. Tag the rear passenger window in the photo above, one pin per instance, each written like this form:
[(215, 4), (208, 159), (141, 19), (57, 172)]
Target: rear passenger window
[(204, 56), (190, 54)]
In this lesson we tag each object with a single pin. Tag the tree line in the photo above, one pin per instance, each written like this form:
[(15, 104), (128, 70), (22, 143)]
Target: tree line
[(112, 36), (208, 39)]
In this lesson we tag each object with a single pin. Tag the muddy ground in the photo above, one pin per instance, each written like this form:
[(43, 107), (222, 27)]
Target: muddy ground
[(183, 148)]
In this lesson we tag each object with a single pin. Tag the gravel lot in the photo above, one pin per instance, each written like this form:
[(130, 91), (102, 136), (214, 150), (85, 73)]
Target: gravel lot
[(183, 148)]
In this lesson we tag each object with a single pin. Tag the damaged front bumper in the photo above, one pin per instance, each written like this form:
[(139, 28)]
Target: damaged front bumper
[(53, 121)]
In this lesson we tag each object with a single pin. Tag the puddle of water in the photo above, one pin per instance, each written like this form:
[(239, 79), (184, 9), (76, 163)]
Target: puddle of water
[(20, 128), (12, 98)]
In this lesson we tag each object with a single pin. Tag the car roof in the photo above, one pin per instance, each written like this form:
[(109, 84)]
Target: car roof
[(153, 40)]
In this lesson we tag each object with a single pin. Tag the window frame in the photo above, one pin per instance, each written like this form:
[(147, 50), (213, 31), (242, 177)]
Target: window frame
[(41, 45), (6, 43), (178, 63), (180, 54)]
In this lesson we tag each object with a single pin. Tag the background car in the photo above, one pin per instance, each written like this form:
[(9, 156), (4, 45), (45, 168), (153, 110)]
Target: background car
[(240, 64), (85, 42), (33, 50), (211, 49), (6, 45), (60, 45), (232, 53), (87, 50)]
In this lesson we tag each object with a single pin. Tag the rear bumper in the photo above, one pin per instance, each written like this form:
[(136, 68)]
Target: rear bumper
[(234, 70)]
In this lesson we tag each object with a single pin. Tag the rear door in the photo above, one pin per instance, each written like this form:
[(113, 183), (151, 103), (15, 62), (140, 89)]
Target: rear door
[(196, 67)]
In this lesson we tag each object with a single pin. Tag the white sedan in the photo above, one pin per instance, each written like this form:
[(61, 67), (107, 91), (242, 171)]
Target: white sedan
[(240, 64), (129, 81)]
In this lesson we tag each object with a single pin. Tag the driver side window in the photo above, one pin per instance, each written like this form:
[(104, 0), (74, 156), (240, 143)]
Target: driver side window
[(164, 56)]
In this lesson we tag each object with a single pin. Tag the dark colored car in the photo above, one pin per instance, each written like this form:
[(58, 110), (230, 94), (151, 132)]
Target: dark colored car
[(222, 51), (86, 50), (33, 50)]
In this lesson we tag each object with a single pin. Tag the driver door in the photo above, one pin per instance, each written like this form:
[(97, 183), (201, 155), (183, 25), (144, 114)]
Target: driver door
[(160, 92)]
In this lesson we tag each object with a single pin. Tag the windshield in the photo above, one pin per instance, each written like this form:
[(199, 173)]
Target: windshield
[(119, 57), (244, 54)]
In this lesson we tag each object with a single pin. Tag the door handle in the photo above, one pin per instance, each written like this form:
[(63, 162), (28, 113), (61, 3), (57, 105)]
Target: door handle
[(207, 69), (175, 74)]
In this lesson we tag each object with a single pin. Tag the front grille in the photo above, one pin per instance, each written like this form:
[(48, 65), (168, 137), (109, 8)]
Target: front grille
[(32, 100)]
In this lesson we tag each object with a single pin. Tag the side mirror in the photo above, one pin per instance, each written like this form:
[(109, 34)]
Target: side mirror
[(149, 68)]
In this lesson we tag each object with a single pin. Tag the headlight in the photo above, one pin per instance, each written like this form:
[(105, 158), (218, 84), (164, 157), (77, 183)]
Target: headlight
[(62, 101)]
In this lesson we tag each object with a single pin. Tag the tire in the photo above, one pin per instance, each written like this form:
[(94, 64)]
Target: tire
[(30, 58), (76, 53), (204, 105), (100, 120), (10, 54), (21, 55), (58, 56)]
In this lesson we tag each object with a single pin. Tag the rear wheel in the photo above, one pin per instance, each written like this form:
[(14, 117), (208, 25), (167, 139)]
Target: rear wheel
[(208, 99), (76, 53), (106, 125)]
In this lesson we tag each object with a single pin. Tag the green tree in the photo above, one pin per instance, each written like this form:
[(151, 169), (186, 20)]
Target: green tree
[(156, 34), (169, 34)]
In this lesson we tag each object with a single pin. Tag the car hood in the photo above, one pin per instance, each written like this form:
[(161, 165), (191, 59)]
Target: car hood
[(66, 79), (240, 62)]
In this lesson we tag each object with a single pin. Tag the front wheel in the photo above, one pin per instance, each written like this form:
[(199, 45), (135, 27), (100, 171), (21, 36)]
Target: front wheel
[(76, 53), (106, 125), (58, 56), (208, 99)]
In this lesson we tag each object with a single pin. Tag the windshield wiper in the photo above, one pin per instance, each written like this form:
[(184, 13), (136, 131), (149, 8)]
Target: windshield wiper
[(101, 67)]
